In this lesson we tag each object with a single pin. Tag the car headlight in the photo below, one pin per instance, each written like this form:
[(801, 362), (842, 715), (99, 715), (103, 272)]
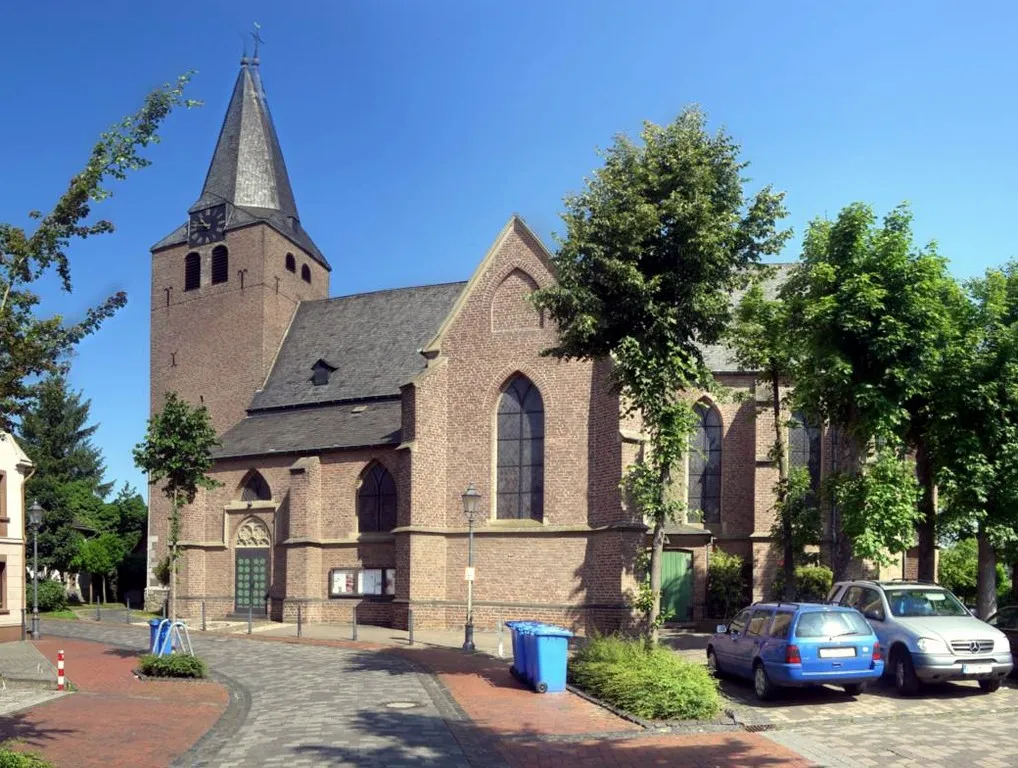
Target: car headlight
[(1000, 643), (931, 645)]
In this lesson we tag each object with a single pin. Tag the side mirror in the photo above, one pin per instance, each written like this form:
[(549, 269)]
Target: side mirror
[(874, 615), (721, 629)]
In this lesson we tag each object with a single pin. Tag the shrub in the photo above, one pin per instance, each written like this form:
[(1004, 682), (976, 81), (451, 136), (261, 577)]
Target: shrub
[(812, 583), (726, 584), (10, 758), (52, 595), (174, 665), (649, 682)]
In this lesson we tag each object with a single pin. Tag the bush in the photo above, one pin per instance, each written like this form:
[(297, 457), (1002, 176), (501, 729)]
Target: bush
[(812, 583), (174, 665), (726, 584), (958, 571), (9, 758), (652, 683), (52, 595)]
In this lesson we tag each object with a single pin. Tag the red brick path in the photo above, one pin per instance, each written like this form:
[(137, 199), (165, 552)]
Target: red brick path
[(113, 719)]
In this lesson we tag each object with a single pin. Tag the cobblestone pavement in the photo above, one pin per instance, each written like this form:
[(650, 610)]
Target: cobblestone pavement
[(16, 696)]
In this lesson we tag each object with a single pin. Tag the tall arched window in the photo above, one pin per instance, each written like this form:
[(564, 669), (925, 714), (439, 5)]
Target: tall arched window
[(376, 500), (804, 448), (192, 271), (704, 494), (255, 488), (220, 264), (521, 451), (291, 263), (305, 273)]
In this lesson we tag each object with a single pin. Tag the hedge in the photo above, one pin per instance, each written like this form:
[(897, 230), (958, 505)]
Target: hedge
[(174, 665)]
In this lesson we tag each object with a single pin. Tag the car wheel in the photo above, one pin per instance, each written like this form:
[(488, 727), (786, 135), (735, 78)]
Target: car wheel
[(762, 685), (712, 663), (989, 686), (854, 689), (905, 680)]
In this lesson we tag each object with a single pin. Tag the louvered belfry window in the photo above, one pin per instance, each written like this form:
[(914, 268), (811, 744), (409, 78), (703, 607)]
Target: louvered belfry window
[(521, 451), (220, 264), (192, 271)]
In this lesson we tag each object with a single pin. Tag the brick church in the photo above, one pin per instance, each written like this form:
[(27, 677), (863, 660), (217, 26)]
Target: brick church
[(352, 425)]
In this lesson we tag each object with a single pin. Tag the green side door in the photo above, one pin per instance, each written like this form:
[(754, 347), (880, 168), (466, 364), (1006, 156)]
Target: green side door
[(677, 585)]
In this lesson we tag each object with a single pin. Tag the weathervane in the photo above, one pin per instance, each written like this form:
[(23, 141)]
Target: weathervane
[(256, 35)]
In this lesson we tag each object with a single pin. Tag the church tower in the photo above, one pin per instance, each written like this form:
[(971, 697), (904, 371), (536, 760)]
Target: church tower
[(226, 283)]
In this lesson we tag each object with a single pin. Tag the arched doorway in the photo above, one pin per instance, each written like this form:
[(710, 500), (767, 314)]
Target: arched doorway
[(251, 573)]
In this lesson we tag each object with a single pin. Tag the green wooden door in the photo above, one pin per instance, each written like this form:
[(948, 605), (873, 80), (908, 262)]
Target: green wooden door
[(252, 580), (677, 585)]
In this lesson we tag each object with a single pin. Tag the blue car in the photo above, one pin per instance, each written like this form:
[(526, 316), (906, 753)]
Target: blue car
[(797, 644)]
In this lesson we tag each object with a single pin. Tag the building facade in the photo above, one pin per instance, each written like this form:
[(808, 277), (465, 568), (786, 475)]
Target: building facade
[(351, 425), (15, 468)]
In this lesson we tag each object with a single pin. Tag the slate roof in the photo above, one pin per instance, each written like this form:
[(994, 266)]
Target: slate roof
[(247, 170), (298, 430)]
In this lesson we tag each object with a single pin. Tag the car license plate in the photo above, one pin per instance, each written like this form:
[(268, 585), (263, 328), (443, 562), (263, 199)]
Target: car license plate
[(976, 669), (836, 653)]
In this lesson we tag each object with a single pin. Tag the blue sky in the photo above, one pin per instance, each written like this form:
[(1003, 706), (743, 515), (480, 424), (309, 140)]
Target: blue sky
[(413, 129)]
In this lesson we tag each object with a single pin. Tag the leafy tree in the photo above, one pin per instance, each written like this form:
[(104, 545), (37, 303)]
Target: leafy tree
[(30, 345), (798, 524), (177, 452), (654, 245), (100, 556), (959, 567), (873, 317)]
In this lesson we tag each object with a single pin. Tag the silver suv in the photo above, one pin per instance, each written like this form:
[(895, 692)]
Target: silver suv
[(927, 634)]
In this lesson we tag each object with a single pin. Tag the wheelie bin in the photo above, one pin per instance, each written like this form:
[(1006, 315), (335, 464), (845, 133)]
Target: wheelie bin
[(547, 652)]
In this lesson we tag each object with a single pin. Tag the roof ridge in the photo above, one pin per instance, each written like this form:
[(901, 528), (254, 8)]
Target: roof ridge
[(385, 290)]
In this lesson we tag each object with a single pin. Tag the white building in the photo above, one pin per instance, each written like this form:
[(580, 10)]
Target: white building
[(15, 468)]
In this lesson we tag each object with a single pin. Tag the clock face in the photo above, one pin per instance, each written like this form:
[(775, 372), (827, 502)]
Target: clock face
[(207, 226)]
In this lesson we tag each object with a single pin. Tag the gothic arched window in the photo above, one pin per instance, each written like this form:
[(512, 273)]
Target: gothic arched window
[(376, 500), (192, 271), (520, 459), (291, 263), (255, 488), (804, 448), (305, 273), (704, 492), (220, 264)]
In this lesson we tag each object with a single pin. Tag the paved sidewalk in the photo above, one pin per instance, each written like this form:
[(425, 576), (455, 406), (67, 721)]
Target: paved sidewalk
[(114, 719), (19, 660)]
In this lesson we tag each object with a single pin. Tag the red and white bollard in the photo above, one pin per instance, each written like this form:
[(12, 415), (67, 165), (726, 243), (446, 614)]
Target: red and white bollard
[(60, 670)]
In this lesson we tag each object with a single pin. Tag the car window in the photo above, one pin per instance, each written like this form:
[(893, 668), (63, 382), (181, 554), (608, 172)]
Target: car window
[(779, 627), (758, 624), (739, 622), (1006, 619), (831, 624), (832, 593), (852, 597), (872, 607), (924, 602)]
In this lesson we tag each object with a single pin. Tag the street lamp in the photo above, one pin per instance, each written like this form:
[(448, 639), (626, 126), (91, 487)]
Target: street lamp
[(35, 513), (471, 500)]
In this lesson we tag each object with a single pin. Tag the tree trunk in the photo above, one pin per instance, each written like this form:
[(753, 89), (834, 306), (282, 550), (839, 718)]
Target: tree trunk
[(174, 537), (105, 599), (927, 527), (850, 462), (656, 551), (986, 579), (787, 553)]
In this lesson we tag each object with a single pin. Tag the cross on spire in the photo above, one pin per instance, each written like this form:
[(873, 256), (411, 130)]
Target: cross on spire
[(257, 37)]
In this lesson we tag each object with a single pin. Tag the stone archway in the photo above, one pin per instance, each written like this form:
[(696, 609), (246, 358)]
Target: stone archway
[(252, 550)]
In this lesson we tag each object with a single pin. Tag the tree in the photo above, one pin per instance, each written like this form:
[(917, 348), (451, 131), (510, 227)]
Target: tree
[(69, 470), (873, 317), (177, 452), (100, 556), (975, 436), (31, 346), (654, 245)]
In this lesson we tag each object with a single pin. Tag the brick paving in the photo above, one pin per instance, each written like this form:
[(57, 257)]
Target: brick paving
[(113, 719)]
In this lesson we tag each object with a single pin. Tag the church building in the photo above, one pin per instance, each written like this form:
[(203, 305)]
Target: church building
[(351, 425)]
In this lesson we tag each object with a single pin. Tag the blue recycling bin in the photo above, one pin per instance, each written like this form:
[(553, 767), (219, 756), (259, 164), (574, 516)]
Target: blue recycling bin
[(547, 653), (519, 630), (159, 640)]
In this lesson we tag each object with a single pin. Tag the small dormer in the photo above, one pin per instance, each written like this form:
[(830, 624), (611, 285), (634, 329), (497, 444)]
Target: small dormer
[(321, 371)]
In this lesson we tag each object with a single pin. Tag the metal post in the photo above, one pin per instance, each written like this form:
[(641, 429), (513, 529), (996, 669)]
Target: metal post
[(410, 624), (468, 630), (35, 581), (501, 645), (127, 616), (98, 612), (24, 631), (354, 613), (249, 617), (300, 621), (202, 615)]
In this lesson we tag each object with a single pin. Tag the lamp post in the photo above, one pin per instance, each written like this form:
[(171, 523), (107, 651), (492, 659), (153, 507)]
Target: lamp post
[(471, 499), (35, 513)]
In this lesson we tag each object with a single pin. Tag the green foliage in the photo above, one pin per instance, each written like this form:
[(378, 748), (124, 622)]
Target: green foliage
[(162, 571), (812, 584), (958, 571), (10, 757), (643, 601), (32, 345), (799, 504), (646, 681), (52, 595), (879, 507), (100, 556), (726, 584), (174, 665)]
